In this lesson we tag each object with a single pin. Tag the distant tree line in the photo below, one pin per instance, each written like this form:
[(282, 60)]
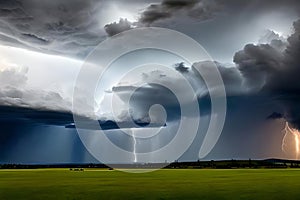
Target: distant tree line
[(220, 164)]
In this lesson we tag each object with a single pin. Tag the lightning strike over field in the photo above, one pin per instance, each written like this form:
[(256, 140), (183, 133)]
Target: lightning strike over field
[(134, 145), (296, 137)]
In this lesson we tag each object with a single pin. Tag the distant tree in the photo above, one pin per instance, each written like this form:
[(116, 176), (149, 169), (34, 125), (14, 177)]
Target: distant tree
[(212, 163)]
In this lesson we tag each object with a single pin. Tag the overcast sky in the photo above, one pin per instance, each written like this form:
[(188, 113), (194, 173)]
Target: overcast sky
[(253, 44)]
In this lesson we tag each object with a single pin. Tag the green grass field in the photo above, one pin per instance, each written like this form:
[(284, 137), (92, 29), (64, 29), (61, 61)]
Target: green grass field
[(162, 184)]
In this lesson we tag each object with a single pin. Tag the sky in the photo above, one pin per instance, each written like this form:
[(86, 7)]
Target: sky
[(51, 52)]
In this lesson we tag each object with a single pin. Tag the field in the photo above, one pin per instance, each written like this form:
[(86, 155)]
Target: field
[(162, 184)]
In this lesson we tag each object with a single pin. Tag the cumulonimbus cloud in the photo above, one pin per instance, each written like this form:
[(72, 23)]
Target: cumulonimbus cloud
[(268, 69), (53, 27), (20, 103), (144, 93), (262, 70)]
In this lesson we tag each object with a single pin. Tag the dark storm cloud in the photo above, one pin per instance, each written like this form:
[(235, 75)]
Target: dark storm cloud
[(258, 64), (288, 103), (10, 113), (51, 26), (275, 115), (37, 136), (231, 76), (144, 97), (203, 10), (269, 70), (115, 28), (20, 103), (113, 125), (31, 106), (34, 39), (263, 70), (198, 9), (150, 94), (74, 28), (181, 67)]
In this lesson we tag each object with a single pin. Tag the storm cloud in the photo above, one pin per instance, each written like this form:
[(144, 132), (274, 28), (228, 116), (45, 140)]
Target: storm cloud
[(22, 104), (201, 10), (261, 69), (115, 28), (53, 27), (74, 29), (269, 70), (197, 9), (15, 92), (262, 80), (18, 102), (152, 88)]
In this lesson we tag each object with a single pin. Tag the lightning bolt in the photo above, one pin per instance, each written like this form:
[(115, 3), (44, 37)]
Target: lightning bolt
[(285, 132), (134, 145), (296, 134)]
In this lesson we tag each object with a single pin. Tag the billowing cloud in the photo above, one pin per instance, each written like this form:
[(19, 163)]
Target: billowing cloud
[(18, 102), (143, 94), (266, 69), (115, 28), (258, 64), (202, 10), (263, 70), (198, 9), (231, 76), (15, 92), (22, 104)]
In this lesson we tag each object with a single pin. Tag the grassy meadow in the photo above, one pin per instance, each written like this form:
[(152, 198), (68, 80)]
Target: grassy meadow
[(161, 184)]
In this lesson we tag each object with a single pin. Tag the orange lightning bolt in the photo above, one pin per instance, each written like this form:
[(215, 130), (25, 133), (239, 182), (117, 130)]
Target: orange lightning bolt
[(296, 135)]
